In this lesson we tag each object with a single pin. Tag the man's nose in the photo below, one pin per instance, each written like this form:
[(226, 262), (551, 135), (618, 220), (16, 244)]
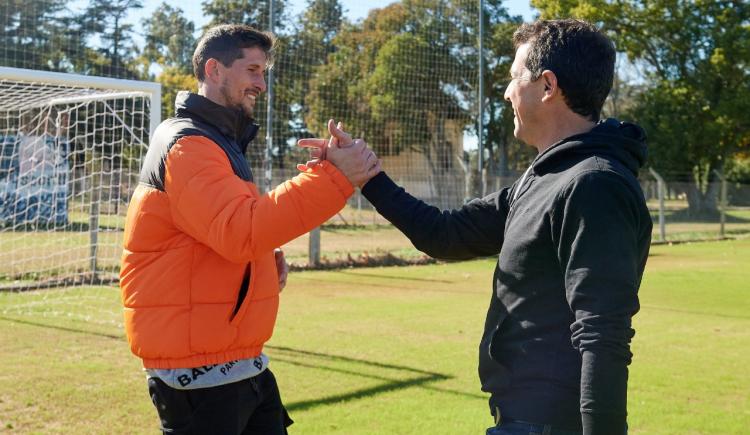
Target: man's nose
[(260, 84)]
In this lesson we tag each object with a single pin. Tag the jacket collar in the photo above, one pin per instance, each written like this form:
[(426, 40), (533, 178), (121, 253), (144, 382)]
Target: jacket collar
[(231, 123)]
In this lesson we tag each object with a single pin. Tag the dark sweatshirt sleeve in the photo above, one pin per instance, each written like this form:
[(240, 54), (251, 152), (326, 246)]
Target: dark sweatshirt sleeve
[(474, 230), (599, 227)]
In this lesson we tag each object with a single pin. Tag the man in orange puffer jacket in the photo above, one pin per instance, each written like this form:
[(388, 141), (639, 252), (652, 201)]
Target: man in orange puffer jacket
[(200, 276)]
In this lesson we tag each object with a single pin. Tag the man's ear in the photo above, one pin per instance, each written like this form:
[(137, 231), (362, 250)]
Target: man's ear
[(211, 70), (551, 89)]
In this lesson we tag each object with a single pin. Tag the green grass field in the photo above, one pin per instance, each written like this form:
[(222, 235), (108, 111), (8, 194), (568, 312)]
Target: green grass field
[(26, 256), (391, 351)]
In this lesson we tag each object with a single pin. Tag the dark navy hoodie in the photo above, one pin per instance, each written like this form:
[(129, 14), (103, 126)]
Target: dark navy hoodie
[(572, 238)]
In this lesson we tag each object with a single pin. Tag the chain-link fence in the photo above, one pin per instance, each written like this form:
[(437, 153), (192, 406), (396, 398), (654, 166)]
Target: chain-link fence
[(405, 78), (685, 210)]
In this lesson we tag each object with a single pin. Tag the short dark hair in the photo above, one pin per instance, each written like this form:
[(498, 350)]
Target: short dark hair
[(582, 58), (225, 43)]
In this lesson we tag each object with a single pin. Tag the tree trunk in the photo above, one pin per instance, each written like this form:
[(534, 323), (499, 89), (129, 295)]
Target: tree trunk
[(116, 47), (440, 160), (703, 204)]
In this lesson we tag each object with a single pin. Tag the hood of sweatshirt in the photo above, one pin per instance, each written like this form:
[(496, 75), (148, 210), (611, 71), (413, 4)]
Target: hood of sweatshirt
[(623, 141)]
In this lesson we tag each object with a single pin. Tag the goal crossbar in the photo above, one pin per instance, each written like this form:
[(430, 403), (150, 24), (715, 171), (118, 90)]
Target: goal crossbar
[(126, 87), (71, 148)]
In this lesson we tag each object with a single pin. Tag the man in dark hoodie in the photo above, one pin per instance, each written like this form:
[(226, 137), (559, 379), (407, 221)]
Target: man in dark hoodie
[(572, 236)]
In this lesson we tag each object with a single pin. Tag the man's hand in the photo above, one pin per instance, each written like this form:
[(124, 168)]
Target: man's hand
[(358, 162), (281, 267), (318, 147), (353, 158)]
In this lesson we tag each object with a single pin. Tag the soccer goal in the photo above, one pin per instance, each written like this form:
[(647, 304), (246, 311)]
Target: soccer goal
[(71, 152)]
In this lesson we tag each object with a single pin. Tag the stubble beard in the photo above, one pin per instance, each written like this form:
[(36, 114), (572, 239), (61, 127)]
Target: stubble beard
[(243, 105)]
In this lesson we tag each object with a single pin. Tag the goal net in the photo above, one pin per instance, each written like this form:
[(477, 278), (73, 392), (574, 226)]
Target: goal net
[(71, 152)]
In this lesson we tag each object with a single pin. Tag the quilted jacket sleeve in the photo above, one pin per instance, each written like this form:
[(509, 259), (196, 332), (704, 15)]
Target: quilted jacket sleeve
[(214, 206)]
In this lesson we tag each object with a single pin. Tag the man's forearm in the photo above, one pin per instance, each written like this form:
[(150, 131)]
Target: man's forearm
[(604, 383), (472, 231)]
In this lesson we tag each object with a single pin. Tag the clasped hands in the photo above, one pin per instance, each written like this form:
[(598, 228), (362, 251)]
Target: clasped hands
[(351, 156)]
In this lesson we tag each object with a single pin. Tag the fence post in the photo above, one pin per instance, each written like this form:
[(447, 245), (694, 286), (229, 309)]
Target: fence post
[(314, 248), (660, 189), (93, 230), (467, 178), (480, 100), (268, 160), (723, 202)]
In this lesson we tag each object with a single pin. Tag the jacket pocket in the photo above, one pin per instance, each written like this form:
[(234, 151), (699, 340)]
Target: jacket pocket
[(493, 375), (243, 290), (245, 294), (264, 284)]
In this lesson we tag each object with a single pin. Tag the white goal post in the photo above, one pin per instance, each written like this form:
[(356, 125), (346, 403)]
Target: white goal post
[(72, 147)]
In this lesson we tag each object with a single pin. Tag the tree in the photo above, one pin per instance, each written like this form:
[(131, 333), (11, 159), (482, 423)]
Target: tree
[(402, 77), (36, 34), (105, 19), (251, 12), (506, 153), (409, 71), (697, 55), (170, 42), (174, 80), (170, 38), (738, 174), (626, 90), (309, 45)]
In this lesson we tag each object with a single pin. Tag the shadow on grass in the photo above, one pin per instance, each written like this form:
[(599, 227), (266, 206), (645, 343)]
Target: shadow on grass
[(396, 277), (63, 328), (325, 362), (334, 228), (417, 378), (404, 287), (696, 313)]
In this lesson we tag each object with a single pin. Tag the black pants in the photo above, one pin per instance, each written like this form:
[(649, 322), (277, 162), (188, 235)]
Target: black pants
[(248, 407)]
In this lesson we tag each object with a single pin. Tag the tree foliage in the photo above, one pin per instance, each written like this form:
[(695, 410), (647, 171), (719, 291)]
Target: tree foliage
[(506, 153), (170, 38), (106, 19), (169, 44), (174, 80), (406, 74), (416, 63), (697, 58), (310, 45), (252, 12), (41, 34)]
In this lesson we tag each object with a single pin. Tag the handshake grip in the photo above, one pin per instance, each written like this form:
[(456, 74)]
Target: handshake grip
[(353, 158)]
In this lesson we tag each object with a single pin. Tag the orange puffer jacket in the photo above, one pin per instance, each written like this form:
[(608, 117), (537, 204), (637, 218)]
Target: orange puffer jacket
[(197, 227)]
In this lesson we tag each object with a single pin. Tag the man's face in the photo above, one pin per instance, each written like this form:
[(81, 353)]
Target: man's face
[(243, 81), (525, 96)]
